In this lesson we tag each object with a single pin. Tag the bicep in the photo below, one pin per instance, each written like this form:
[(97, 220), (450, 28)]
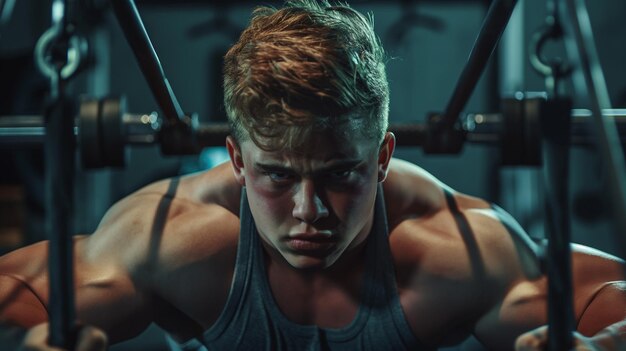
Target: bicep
[(23, 286), (606, 307), (105, 296), (599, 289), (108, 296), (598, 297), (19, 304)]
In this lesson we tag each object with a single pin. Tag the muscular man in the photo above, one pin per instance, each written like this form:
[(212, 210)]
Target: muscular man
[(313, 236)]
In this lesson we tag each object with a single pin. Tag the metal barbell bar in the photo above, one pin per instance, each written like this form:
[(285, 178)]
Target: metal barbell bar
[(103, 128)]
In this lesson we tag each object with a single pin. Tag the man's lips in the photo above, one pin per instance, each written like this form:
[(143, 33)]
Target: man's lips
[(314, 242)]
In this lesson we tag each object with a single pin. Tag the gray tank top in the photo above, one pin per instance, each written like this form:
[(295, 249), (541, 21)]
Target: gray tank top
[(251, 320)]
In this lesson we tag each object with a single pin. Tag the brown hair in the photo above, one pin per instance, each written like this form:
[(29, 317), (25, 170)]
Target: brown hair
[(302, 68)]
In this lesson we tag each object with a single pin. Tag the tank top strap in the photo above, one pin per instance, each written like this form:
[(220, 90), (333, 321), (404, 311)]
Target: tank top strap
[(244, 262)]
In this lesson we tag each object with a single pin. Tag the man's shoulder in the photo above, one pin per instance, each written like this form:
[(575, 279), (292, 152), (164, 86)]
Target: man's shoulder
[(175, 221), (216, 186), (412, 195), (453, 256), (442, 233), (409, 187), (467, 243)]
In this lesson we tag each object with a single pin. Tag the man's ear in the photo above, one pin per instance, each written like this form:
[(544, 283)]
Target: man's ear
[(236, 159), (385, 154)]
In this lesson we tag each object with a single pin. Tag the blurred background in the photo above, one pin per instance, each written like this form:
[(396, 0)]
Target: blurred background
[(427, 43)]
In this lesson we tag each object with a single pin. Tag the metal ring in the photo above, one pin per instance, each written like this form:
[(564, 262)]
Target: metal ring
[(555, 68), (76, 47)]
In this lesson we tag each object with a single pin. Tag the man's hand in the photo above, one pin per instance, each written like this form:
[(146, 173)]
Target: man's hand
[(537, 340), (89, 339)]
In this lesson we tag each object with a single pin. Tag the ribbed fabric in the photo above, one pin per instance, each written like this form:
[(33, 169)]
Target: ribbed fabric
[(251, 320)]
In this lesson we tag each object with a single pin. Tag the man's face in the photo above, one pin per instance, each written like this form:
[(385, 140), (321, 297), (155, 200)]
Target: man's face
[(313, 205)]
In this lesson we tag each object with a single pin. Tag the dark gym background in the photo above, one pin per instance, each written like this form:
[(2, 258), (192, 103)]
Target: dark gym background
[(426, 57)]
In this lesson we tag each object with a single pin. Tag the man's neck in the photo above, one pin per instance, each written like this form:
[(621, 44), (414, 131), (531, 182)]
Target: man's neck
[(327, 297)]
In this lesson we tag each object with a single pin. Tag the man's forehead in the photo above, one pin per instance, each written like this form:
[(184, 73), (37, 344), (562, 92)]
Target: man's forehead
[(290, 158), (321, 153), (312, 129)]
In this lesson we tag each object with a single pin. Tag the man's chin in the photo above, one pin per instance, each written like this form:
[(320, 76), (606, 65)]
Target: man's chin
[(308, 263)]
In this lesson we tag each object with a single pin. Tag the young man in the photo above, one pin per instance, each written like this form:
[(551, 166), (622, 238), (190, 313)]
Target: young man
[(313, 237)]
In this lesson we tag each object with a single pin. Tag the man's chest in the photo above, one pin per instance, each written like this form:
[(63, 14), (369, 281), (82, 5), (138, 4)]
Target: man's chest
[(442, 291)]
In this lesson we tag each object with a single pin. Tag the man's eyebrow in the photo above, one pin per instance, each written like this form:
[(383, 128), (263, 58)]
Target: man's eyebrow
[(269, 167), (340, 165), (333, 166)]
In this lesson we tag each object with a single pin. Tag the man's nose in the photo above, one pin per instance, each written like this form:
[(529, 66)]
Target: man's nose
[(308, 206)]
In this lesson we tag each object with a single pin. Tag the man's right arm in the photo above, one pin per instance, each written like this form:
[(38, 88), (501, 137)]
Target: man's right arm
[(107, 294), (19, 304), (154, 257)]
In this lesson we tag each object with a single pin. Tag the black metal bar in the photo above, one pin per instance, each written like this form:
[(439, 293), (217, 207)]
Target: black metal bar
[(409, 134), (482, 128), (59, 147), (59, 161), (487, 128), (6, 10), (212, 134), (22, 131), (493, 26), (555, 125), (590, 82), (233, 3), (139, 41)]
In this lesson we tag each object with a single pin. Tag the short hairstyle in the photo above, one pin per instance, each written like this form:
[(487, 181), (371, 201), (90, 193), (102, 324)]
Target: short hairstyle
[(306, 67)]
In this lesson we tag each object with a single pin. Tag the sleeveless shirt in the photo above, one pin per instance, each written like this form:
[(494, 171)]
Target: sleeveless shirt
[(251, 319)]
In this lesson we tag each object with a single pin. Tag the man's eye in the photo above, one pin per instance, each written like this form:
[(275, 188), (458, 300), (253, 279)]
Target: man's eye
[(278, 176), (341, 174)]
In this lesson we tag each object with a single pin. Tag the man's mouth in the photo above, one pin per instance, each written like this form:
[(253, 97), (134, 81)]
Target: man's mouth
[(311, 242)]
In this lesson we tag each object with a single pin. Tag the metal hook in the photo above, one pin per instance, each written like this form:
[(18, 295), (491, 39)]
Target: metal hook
[(76, 47), (556, 68)]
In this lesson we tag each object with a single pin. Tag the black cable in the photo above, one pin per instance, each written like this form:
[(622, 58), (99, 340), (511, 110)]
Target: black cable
[(59, 147), (555, 126), (590, 82), (139, 41), (493, 26)]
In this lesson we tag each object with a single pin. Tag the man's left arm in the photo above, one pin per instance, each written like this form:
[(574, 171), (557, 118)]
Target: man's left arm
[(599, 296), (607, 306), (517, 316), (599, 304)]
